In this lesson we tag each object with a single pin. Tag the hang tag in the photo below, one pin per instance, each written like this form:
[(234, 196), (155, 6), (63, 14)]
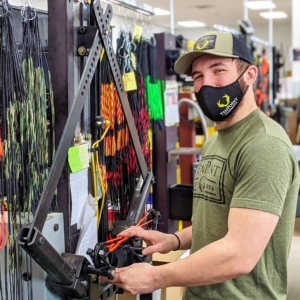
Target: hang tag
[(78, 157), (133, 60), (129, 81), (138, 31)]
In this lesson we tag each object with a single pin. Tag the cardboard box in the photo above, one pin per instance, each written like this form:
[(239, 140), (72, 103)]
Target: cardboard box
[(166, 258), (170, 293), (125, 296)]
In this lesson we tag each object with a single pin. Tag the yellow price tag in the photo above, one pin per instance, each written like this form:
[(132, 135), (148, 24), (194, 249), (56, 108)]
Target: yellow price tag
[(138, 31), (129, 81)]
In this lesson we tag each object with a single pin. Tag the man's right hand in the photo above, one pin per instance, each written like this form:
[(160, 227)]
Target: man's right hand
[(156, 241)]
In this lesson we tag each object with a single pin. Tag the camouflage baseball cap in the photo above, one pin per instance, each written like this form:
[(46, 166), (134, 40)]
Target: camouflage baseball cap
[(218, 43)]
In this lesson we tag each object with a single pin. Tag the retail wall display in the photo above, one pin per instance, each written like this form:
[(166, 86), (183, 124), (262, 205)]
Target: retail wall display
[(265, 101), (141, 31), (138, 63), (27, 138), (111, 94), (262, 84)]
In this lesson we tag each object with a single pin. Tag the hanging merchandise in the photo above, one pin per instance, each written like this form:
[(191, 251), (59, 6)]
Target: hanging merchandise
[(130, 60), (278, 64), (33, 112), (120, 164), (12, 95), (262, 85), (116, 148), (155, 89), (137, 55), (147, 61), (97, 174), (26, 97)]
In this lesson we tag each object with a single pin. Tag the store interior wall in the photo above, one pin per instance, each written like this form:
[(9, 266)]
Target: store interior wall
[(282, 39), (39, 4), (282, 36)]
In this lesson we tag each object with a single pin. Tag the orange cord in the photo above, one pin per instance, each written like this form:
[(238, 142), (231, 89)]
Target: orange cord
[(121, 240), (4, 239)]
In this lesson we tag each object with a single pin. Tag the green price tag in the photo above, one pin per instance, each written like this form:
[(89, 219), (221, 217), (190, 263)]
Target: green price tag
[(78, 158)]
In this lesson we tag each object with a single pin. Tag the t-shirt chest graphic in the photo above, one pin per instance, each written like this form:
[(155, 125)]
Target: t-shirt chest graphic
[(209, 179)]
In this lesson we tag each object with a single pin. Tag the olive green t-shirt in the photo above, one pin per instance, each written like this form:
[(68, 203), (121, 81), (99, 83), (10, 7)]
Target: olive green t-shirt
[(252, 164)]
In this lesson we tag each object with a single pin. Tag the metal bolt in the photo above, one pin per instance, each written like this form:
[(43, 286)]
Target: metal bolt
[(111, 273), (82, 51), (26, 276), (56, 227), (85, 283), (89, 251), (94, 277), (81, 29), (41, 241)]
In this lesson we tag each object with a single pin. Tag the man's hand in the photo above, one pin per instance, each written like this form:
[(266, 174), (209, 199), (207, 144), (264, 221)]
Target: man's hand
[(156, 241), (136, 279)]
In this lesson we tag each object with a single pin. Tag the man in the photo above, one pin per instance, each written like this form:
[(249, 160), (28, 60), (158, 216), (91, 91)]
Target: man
[(245, 191)]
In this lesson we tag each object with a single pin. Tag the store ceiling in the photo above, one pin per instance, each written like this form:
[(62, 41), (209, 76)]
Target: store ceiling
[(210, 12)]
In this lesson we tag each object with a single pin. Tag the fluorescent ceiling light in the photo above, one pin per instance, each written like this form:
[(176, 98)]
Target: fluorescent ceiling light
[(135, 5), (191, 24), (260, 4), (273, 15), (160, 12)]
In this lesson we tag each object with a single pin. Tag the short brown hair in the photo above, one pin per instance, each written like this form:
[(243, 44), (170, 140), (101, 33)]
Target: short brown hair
[(241, 65)]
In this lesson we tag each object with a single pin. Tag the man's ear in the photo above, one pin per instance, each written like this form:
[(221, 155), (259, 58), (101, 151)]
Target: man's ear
[(251, 75)]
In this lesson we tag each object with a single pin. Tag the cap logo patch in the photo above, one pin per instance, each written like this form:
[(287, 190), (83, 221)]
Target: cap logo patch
[(206, 42), (227, 99)]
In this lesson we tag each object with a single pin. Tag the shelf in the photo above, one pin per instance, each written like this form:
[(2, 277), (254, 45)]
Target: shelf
[(174, 153)]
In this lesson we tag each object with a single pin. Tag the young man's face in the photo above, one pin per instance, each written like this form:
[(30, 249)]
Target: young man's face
[(213, 71)]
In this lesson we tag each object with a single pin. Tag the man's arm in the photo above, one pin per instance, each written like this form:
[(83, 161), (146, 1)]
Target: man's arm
[(234, 255), (160, 242), (185, 237)]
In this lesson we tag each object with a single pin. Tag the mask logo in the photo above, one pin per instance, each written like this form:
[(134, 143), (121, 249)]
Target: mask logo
[(199, 47), (227, 98)]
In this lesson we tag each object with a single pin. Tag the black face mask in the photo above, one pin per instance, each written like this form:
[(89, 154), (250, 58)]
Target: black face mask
[(218, 103)]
